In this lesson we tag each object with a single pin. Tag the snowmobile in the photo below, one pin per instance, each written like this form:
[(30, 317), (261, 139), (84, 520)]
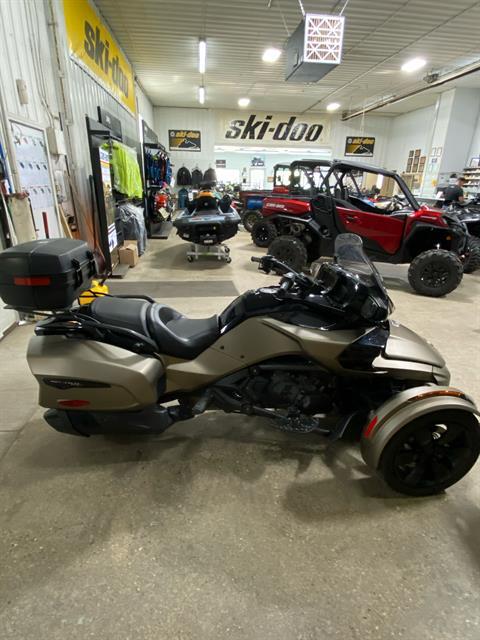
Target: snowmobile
[(311, 354)]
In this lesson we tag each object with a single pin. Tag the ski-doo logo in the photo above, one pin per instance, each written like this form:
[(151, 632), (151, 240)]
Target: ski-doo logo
[(288, 130), (93, 47), (98, 50)]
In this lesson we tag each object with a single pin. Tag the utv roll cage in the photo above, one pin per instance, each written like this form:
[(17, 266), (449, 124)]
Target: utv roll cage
[(340, 168)]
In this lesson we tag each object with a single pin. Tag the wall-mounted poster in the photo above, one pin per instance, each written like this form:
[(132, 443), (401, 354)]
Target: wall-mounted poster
[(184, 140), (95, 50), (359, 146)]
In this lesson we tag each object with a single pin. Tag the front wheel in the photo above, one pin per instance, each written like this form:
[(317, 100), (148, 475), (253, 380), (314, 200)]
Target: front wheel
[(263, 233), (472, 261), (435, 273), (431, 453), (291, 251), (250, 218)]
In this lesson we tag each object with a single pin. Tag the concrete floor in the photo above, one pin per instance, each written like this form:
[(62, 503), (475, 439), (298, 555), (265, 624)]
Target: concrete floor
[(223, 528)]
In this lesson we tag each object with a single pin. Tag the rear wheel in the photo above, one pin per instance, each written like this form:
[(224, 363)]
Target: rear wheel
[(264, 233), (472, 262), (291, 251), (431, 453), (250, 218), (435, 273)]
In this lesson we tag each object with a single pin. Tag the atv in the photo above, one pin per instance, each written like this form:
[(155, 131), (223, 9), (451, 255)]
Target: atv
[(250, 202), (394, 227)]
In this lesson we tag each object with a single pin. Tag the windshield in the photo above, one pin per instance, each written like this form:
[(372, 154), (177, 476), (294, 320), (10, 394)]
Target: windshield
[(349, 254)]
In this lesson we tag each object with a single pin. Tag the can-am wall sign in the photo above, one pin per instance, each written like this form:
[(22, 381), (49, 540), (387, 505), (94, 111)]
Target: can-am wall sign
[(258, 128)]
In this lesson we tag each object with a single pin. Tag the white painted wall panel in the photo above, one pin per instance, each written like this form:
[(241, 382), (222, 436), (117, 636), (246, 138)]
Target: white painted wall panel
[(374, 126), (144, 106), (199, 119), (206, 121), (408, 131)]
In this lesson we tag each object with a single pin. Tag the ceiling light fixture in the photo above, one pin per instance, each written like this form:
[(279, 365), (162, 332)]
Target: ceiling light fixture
[(202, 55), (201, 95), (333, 106), (413, 65), (243, 102), (272, 54)]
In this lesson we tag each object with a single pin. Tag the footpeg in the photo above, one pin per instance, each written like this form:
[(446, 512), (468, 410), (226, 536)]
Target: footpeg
[(297, 424)]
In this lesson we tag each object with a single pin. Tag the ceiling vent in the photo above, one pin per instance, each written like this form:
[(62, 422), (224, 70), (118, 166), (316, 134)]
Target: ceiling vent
[(314, 48)]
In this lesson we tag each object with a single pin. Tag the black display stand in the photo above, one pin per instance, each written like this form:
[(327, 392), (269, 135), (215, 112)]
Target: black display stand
[(106, 201)]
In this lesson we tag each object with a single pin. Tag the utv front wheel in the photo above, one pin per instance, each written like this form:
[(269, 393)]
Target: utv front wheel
[(435, 273), (472, 262), (289, 250), (263, 233), (431, 453), (250, 218)]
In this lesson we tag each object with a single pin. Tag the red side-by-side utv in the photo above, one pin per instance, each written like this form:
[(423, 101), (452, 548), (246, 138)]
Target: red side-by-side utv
[(329, 198)]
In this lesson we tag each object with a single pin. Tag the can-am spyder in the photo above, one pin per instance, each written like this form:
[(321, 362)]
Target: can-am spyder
[(311, 354)]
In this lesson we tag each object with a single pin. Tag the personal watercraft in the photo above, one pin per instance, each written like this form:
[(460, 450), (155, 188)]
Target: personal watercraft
[(311, 354), (208, 220)]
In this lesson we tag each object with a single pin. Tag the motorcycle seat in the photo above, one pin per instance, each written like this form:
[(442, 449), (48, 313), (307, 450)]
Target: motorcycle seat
[(179, 336), (175, 334)]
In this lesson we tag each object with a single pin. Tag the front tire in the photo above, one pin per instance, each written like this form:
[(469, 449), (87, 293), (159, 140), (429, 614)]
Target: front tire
[(264, 233), (435, 273), (250, 218), (291, 251), (472, 262), (431, 453)]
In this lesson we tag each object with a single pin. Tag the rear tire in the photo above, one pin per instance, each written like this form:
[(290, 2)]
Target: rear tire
[(250, 218), (472, 263), (263, 233), (291, 251), (431, 453), (435, 273)]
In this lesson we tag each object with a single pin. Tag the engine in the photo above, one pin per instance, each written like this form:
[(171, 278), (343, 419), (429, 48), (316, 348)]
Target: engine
[(306, 392)]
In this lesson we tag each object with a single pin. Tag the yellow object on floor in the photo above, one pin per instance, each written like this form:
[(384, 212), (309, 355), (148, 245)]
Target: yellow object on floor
[(95, 291)]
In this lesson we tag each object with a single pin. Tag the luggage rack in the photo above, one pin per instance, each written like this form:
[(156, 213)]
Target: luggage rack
[(218, 251)]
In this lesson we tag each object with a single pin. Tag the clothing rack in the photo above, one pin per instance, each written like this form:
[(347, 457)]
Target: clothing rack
[(157, 170)]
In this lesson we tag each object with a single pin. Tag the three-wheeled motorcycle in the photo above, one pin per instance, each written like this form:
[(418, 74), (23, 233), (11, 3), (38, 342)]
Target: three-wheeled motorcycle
[(310, 354)]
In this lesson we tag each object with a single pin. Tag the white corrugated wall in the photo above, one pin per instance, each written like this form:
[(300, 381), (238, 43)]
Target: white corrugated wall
[(23, 32), (25, 55), (86, 95)]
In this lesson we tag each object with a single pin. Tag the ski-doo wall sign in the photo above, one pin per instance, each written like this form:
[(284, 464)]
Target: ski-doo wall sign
[(273, 129), (184, 140), (359, 146)]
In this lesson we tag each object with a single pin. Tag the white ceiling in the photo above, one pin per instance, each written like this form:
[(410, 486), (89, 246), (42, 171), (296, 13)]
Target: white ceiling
[(161, 39)]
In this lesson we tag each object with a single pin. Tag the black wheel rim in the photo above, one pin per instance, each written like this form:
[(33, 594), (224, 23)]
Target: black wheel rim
[(434, 274), (262, 234), (433, 455), (287, 255)]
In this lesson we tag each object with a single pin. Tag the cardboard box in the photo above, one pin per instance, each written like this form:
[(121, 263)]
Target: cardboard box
[(128, 253)]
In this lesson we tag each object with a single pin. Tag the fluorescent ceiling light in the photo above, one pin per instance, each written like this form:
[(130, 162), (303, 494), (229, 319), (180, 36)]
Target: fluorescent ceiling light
[(272, 54), (201, 95), (243, 102), (413, 65), (202, 56), (333, 106)]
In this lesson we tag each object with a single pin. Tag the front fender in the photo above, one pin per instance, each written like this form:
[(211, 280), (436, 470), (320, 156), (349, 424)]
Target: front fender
[(404, 407)]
